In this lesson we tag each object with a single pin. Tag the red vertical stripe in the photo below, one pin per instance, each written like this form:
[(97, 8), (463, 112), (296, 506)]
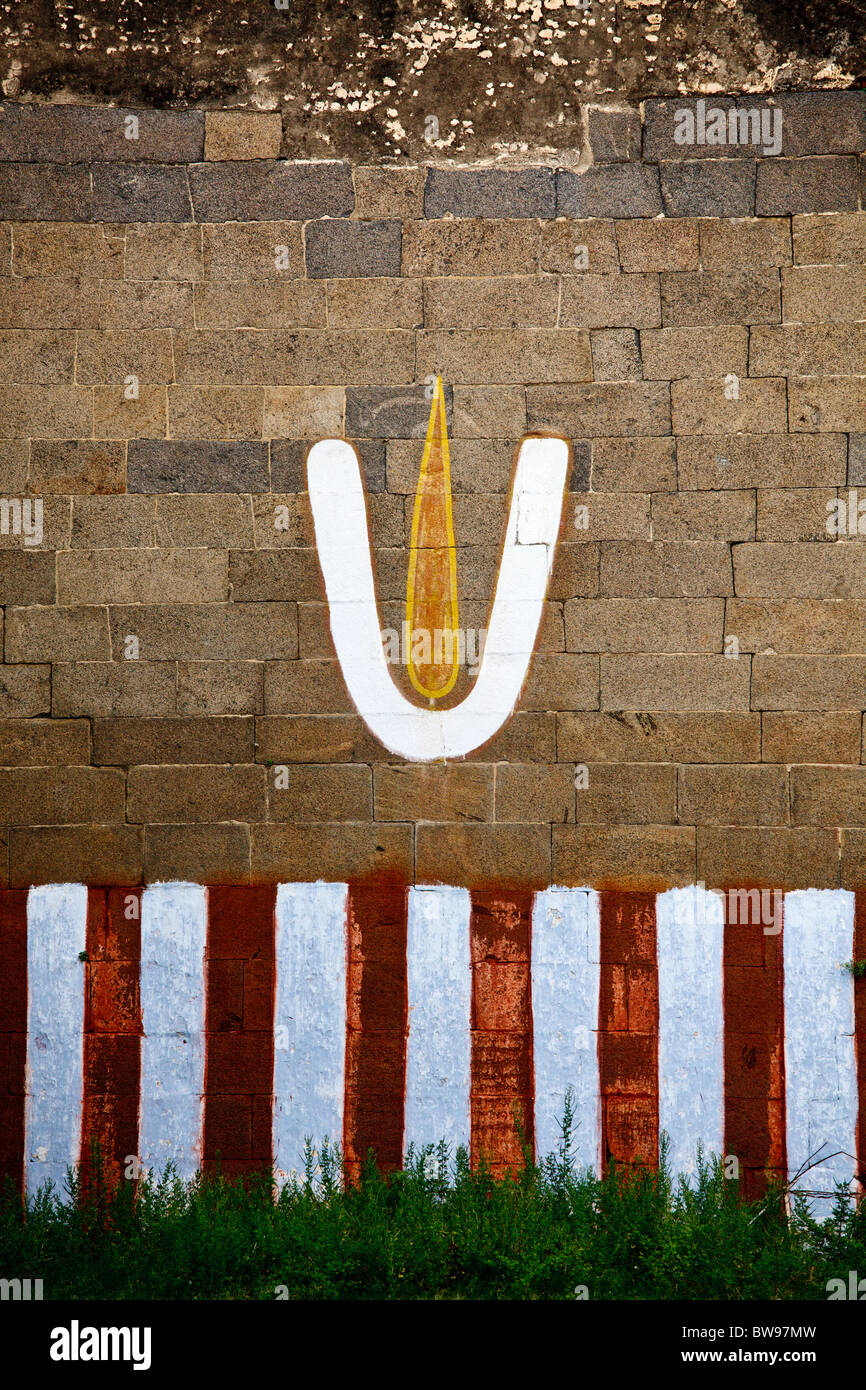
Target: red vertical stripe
[(13, 1032), (377, 1006), (112, 1030), (502, 1073), (754, 1053), (628, 1028), (239, 1059), (860, 1033)]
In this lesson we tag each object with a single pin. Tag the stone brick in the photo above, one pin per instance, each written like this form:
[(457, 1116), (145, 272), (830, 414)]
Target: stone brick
[(658, 245), (626, 857), (25, 691), (40, 358), (279, 358), (346, 792), (115, 416), (375, 303), (55, 412), (617, 737), (306, 687), (856, 458), (771, 570), (336, 248), (14, 465), (78, 134), (797, 625), (615, 354), (634, 465), (33, 302), (594, 239), (488, 412), (265, 190), (389, 192), (260, 304), (808, 682), (527, 738), (661, 125), (660, 682), (604, 301), (728, 516), (853, 868), (829, 238), (478, 466), (56, 516), (108, 689), (26, 579), (458, 246), (500, 356), (631, 794), (476, 855), (301, 853), (319, 738), (253, 251), (187, 794), (816, 294), (702, 405), (600, 408), (823, 122), (828, 795), (215, 520), (216, 412), (105, 854), (490, 193), (738, 461), (727, 795), (745, 243), (609, 190), (531, 791), (826, 403), (708, 188), (610, 516), (716, 297), (492, 302), (243, 134), (808, 349), (669, 353), (614, 133), (109, 357), (207, 631), (144, 304), (142, 576), (197, 466), (196, 854), (67, 249), (644, 625), (42, 192), (163, 251), (283, 520), (804, 736), (60, 795), (73, 466), (44, 742), (289, 463), (219, 687), (818, 184), (729, 856), (399, 412), (665, 569), (125, 742), (559, 681), (140, 193), (50, 633)]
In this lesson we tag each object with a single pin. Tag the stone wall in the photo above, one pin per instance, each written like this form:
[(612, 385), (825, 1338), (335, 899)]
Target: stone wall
[(182, 313)]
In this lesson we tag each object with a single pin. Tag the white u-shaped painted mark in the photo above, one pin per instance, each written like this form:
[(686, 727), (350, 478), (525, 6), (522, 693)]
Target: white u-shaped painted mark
[(343, 543)]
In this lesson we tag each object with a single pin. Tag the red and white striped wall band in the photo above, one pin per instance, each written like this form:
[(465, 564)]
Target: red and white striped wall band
[(227, 1024)]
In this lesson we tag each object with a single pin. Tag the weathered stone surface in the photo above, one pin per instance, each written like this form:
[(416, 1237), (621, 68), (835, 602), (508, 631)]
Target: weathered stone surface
[(490, 193), (254, 190), (335, 248), (609, 190), (80, 134), (196, 466)]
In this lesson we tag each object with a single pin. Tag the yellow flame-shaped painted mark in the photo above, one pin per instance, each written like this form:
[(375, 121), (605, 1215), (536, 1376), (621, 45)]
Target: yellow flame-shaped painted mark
[(431, 591)]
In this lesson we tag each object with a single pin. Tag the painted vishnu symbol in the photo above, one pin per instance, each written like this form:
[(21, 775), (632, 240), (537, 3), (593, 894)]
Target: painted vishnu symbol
[(426, 734)]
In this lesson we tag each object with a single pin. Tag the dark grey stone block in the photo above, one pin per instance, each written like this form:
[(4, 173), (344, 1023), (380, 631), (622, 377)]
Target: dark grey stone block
[(708, 188), (614, 134), (581, 465), (81, 134), (337, 249), (490, 193), (140, 193), (856, 460), (289, 463), (177, 465), (827, 183), (391, 412), (822, 122), (45, 192), (262, 189), (609, 190)]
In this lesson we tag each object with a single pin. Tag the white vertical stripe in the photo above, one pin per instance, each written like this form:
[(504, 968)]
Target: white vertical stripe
[(690, 925), (309, 1019), (173, 943), (565, 994), (439, 1050), (820, 1064), (56, 938)]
